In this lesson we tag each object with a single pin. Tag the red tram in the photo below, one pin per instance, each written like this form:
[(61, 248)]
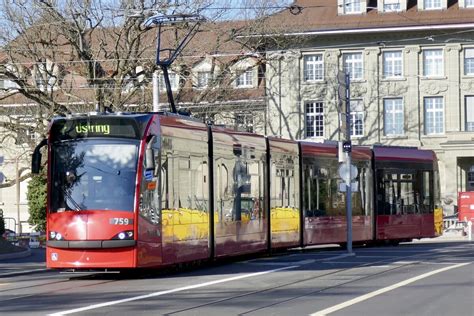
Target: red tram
[(149, 190)]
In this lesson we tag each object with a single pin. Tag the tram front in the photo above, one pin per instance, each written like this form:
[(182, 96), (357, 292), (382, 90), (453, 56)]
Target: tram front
[(92, 185)]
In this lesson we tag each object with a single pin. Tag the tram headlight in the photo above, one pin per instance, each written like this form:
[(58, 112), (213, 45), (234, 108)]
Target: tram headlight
[(125, 235), (55, 235)]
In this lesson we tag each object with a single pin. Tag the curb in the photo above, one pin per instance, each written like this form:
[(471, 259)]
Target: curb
[(24, 272), (16, 255)]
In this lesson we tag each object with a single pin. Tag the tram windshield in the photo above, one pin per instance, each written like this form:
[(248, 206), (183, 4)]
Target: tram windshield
[(93, 174)]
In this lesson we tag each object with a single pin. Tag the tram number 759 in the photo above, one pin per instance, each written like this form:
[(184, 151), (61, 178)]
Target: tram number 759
[(121, 221)]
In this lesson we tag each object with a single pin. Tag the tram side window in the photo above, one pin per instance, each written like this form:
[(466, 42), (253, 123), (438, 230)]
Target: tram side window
[(149, 188), (192, 183), (426, 190), (362, 198), (284, 182), (239, 191), (316, 194), (224, 185), (405, 193), (321, 194), (183, 176)]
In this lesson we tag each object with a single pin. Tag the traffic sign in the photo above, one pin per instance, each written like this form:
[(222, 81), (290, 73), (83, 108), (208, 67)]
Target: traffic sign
[(347, 146), (345, 171)]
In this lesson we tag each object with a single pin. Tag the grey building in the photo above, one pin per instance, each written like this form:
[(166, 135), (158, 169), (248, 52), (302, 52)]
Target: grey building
[(411, 65)]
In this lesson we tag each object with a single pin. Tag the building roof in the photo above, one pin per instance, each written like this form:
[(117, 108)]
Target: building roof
[(322, 15)]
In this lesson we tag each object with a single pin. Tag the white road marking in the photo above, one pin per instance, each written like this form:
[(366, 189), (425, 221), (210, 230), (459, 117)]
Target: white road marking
[(181, 289), (22, 271), (384, 290), (281, 264), (262, 262), (359, 263)]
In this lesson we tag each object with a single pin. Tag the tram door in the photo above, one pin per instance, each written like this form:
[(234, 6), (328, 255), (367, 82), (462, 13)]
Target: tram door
[(149, 215)]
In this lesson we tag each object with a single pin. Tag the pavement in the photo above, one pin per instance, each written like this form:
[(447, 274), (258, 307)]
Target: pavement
[(33, 260), (23, 262)]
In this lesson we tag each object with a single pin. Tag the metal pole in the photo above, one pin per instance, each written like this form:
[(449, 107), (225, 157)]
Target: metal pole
[(156, 92), (17, 184), (349, 163), (168, 88)]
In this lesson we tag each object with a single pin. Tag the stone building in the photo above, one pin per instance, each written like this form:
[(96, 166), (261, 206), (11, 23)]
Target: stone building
[(411, 66)]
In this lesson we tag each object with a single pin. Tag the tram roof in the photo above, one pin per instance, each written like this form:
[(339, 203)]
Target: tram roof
[(403, 154)]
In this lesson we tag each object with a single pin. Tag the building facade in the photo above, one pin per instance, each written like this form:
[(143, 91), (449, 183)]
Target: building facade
[(411, 68), (411, 79)]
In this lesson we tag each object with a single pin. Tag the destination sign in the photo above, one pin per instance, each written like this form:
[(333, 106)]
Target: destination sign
[(86, 127)]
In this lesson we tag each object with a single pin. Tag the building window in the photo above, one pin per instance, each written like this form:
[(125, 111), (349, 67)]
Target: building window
[(353, 65), (45, 74), (393, 117), (433, 63), (352, 6), (134, 80), (392, 64), (245, 79), (432, 4), (469, 61), (357, 118), (391, 6), (244, 122), (469, 3), (469, 101), (434, 115), (470, 176), (313, 67), (202, 80), (314, 112), (174, 81)]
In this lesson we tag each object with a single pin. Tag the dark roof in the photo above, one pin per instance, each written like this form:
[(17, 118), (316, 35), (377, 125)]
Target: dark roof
[(322, 15)]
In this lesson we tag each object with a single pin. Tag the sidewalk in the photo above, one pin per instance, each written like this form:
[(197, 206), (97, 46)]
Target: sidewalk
[(21, 261), (10, 251)]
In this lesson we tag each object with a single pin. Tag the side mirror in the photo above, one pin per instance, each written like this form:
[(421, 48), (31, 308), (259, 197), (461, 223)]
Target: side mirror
[(36, 158), (149, 154)]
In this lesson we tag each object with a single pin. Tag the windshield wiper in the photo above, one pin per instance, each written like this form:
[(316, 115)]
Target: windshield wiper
[(77, 206), (115, 172)]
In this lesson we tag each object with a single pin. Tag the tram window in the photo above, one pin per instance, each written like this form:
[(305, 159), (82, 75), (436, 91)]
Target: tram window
[(185, 183), (240, 180), (224, 194), (316, 191), (361, 199), (88, 175), (405, 193), (149, 189), (321, 191), (284, 188), (426, 198)]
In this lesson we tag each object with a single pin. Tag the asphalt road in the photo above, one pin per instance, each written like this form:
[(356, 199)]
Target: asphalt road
[(411, 279)]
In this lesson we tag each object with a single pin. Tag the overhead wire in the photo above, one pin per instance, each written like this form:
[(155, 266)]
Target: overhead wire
[(392, 42)]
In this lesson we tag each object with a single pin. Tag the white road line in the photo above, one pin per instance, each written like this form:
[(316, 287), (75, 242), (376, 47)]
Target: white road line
[(384, 290), (344, 255), (361, 263), (185, 288), (281, 264), (20, 271)]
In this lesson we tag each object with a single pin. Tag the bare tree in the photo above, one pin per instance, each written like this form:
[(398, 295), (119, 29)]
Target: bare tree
[(59, 57)]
